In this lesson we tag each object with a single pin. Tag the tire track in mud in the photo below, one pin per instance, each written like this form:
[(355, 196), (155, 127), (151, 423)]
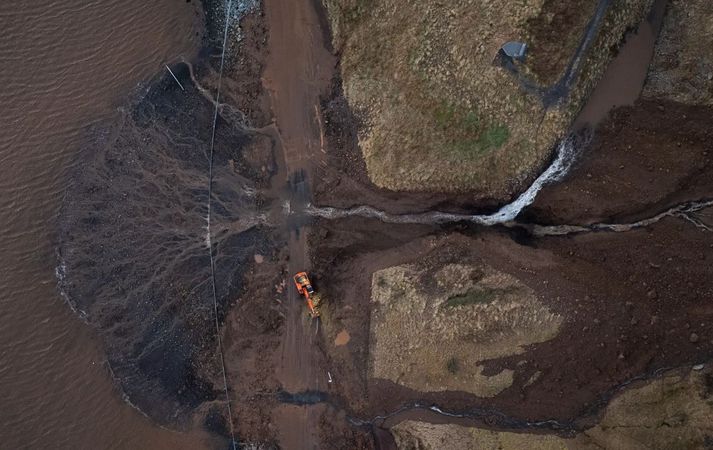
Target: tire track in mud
[(297, 72)]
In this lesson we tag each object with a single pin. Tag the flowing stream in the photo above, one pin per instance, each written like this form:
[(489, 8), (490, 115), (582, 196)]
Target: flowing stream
[(566, 154)]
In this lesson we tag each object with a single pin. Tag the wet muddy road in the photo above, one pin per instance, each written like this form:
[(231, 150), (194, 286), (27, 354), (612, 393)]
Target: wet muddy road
[(298, 71), (66, 65)]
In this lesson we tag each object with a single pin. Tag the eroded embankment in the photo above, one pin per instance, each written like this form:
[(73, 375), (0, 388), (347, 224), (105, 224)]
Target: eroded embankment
[(556, 170), (672, 410), (620, 319), (435, 113)]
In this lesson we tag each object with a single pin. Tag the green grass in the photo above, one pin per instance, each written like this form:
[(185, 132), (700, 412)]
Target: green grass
[(474, 297), (471, 122), (494, 137), (481, 296), (464, 131), (445, 115), (354, 14), (452, 365)]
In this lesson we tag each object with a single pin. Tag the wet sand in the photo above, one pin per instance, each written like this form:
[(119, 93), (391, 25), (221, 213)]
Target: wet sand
[(66, 65)]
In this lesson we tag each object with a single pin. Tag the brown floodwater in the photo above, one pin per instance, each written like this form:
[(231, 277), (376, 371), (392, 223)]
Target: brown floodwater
[(64, 66), (624, 78)]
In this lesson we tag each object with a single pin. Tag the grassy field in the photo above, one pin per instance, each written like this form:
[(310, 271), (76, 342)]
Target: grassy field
[(432, 330), (437, 114)]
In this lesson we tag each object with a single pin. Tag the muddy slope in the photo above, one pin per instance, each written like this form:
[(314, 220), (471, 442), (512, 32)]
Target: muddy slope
[(621, 320), (643, 158), (633, 303)]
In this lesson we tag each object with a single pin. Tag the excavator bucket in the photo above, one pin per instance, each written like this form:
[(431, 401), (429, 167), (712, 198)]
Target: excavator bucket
[(313, 311)]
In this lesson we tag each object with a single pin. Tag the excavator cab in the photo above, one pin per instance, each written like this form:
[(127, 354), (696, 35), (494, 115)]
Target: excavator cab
[(303, 284)]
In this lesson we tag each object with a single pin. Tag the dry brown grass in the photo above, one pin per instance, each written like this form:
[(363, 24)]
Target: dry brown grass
[(682, 67), (437, 114), (432, 330)]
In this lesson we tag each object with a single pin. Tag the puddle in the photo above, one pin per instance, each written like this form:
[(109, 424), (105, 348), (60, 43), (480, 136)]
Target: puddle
[(342, 338), (624, 79)]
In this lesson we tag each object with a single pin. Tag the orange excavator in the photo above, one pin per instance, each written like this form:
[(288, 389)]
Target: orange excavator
[(304, 287)]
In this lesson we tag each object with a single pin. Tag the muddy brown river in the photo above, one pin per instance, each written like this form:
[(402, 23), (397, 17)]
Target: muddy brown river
[(66, 66)]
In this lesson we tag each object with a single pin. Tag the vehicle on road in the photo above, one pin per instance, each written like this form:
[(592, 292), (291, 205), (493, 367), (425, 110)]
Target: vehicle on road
[(304, 288)]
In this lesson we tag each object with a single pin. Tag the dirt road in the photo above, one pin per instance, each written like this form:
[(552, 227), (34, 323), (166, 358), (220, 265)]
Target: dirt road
[(298, 70)]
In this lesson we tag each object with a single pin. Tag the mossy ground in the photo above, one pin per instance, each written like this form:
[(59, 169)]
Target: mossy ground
[(481, 296)]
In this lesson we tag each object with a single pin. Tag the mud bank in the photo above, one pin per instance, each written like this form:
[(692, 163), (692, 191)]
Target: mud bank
[(643, 158), (133, 256), (134, 260), (640, 319)]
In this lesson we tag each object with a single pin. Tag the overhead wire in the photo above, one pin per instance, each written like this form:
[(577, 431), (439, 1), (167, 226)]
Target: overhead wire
[(221, 355)]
